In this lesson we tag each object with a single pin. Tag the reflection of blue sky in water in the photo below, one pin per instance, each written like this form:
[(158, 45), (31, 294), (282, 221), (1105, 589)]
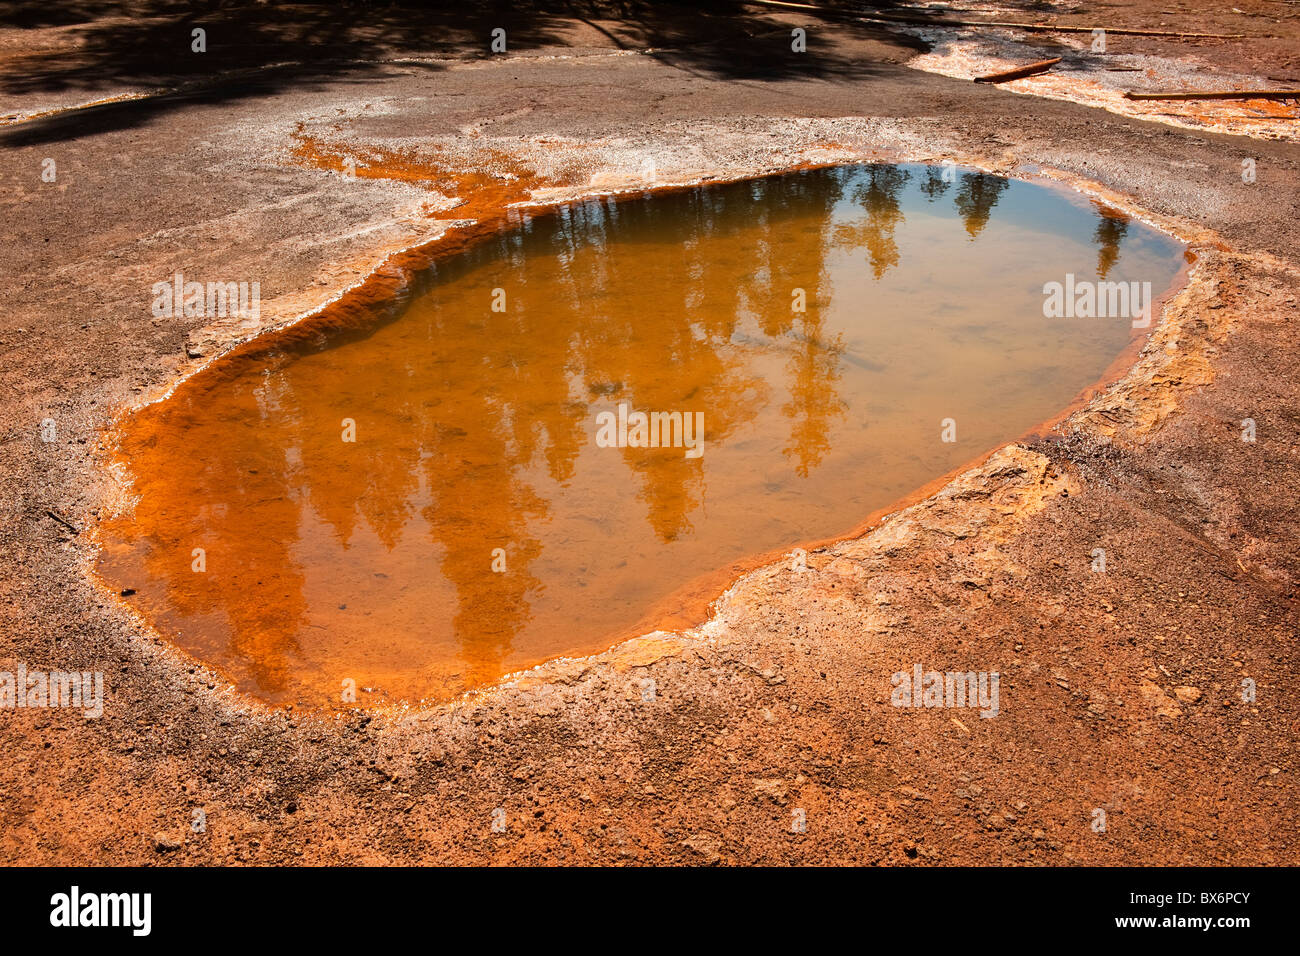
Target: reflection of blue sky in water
[(476, 428)]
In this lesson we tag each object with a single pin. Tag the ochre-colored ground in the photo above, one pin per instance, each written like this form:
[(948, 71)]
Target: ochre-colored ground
[(1120, 691)]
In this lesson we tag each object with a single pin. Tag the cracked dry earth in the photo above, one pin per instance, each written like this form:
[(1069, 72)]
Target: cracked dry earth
[(1120, 691)]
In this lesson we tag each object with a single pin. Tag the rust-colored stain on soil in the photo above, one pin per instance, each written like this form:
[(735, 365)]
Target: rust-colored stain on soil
[(479, 193), (421, 500)]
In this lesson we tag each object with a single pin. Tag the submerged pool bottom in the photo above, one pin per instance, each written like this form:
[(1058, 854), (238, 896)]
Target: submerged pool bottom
[(570, 425)]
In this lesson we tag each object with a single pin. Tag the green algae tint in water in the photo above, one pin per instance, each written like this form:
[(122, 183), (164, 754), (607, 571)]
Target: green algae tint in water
[(377, 560)]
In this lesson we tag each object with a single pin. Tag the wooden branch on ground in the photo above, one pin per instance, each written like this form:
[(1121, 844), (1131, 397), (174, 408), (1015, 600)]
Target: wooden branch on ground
[(1054, 27), (1218, 95), (1042, 66), (63, 521), (912, 19)]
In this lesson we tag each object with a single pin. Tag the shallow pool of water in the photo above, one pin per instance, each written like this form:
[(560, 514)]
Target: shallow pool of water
[(452, 492)]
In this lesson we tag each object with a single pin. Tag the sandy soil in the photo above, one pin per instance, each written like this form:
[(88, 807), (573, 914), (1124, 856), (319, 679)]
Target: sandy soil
[(1120, 691)]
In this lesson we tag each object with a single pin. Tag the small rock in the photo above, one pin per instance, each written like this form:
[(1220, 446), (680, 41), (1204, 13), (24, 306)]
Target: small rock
[(705, 847), (165, 842), (776, 790), (1164, 705)]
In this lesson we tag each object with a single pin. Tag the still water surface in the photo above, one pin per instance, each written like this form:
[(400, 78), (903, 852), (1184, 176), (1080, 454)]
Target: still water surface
[(376, 560)]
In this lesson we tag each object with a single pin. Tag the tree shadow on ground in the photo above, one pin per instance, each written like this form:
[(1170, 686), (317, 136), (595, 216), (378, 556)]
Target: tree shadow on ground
[(102, 48)]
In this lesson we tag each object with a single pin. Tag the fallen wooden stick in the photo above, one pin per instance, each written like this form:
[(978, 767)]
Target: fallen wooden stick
[(1218, 95), (1030, 69), (1041, 27), (1055, 27), (63, 521)]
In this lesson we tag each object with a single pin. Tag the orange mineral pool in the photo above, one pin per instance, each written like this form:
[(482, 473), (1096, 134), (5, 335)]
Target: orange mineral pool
[(562, 425)]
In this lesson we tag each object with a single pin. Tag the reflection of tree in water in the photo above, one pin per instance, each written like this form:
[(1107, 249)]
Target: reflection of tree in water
[(791, 253), (668, 351), (935, 185), (975, 199), (814, 365), (814, 402), (481, 501), (1111, 229), (876, 189)]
